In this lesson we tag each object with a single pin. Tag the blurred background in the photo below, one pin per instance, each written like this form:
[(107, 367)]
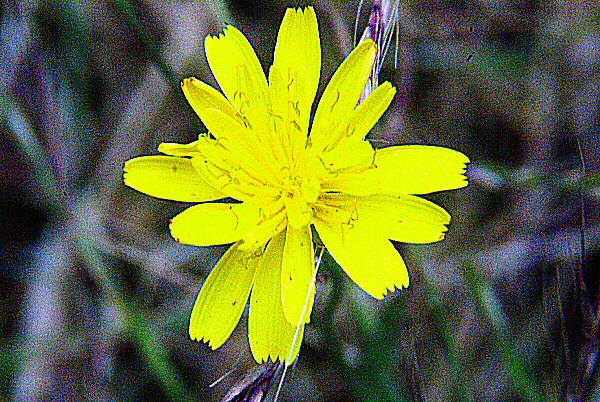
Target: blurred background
[(95, 295)]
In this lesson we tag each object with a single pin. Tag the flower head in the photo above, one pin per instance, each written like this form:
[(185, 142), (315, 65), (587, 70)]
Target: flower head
[(287, 176)]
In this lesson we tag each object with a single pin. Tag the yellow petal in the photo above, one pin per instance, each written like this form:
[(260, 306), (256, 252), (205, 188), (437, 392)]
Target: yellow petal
[(219, 176), (290, 110), (363, 118), (362, 183), (271, 223), (255, 131), (233, 135), (212, 224), (175, 149), (350, 156), (280, 118), (241, 143), (365, 254), (223, 297), (297, 65), (406, 218), (168, 177), (421, 169), (298, 269), (202, 96), (224, 54), (342, 93), (299, 47), (270, 334), (250, 101), (405, 169)]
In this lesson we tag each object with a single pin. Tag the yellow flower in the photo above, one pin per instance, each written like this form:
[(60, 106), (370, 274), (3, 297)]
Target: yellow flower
[(259, 152)]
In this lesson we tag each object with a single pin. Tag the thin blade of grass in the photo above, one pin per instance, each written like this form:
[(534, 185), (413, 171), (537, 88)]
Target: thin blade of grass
[(26, 139), (521, 377)]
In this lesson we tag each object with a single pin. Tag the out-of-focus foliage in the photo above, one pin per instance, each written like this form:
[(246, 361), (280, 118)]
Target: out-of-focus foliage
[(96, 296)]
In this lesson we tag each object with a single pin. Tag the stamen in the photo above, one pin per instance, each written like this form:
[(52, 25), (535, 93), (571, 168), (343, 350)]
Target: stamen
[(336, 100), (295, 106), (373, 165), (246, 122), (237, 219), (350, 133), (272, 114), (261, 215), (296, 125)]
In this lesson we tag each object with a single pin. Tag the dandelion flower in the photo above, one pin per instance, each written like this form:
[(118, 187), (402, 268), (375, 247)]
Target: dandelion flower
[(286, 176)]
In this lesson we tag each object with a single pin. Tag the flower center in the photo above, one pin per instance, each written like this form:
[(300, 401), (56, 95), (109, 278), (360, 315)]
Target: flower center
[(298, 193), (306, 188)]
